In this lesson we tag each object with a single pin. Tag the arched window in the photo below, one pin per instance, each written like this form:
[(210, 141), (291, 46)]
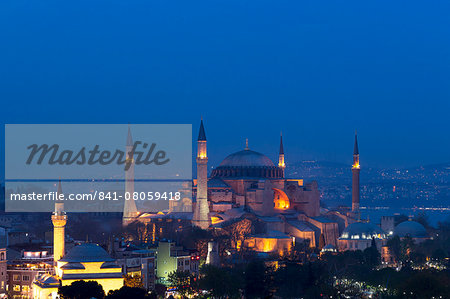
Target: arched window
[(281, 200)]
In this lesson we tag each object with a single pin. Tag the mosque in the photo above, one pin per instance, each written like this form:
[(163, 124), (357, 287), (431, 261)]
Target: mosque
[(247, 185), (275, 211), (83, 262)]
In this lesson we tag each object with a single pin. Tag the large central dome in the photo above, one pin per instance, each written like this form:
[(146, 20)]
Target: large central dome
[(247, 164), (247, 158)]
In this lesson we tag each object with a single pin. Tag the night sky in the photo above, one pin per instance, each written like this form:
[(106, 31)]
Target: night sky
[(316, 70)]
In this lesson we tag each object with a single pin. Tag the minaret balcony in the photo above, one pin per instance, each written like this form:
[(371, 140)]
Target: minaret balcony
[(59, 220)]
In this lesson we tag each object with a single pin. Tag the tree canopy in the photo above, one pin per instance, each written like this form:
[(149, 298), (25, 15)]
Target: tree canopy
[(81, 289)]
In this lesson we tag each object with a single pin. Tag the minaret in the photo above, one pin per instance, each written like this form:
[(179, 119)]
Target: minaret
[(355, 177), (281, 163), (59, 220), (201, 212), (129, 210)]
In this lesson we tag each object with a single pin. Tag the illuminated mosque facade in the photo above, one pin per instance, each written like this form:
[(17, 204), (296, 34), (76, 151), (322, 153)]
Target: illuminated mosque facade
[(83, 262), (248, 185)]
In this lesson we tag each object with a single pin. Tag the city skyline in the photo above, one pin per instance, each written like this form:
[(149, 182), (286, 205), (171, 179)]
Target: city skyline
[(317, 73), (224, 149)]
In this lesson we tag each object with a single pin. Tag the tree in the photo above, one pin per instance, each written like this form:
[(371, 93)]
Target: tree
[(133, 281), (311, 280), (407, 245), (422, 218), (196, 238), (400, 218), (321, 241), (160, 290), (138, 231), (81, 289), (258, 280), (395, 246), (183, 281), (371, 255), (424, 284), (290, 281), (220, 282), (127, 292)]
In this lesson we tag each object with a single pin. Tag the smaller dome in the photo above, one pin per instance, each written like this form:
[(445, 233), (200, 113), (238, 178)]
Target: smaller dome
[(87, 253), (49, 279), (362, 230), (410, 228)]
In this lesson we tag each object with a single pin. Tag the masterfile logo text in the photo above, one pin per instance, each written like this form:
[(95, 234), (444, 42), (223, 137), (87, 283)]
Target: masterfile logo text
[(98, 165)]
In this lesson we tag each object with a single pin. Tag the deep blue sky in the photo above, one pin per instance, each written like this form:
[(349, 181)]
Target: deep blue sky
[(317, 70)]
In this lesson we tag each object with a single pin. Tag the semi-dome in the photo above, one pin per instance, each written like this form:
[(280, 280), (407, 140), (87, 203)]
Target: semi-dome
[(410, 228), (247, 164), (87, 253), (362, 230)]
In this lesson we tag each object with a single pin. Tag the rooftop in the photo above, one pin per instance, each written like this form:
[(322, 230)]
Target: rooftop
[(87, 252)]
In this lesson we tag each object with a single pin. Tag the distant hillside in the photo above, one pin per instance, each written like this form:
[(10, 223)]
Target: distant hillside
[(421, 186)]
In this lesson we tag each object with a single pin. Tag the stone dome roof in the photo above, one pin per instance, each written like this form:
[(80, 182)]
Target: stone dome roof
[(247, 164), (410, 228), (87, 253), (247, 158), (362, 230)]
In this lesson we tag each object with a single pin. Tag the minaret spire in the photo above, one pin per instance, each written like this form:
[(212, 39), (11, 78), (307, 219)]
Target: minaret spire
[(281, 143), (281, 163), (59, 191), (355, 177), (129, 137), (129, 209), (201, 132), (201, 211)]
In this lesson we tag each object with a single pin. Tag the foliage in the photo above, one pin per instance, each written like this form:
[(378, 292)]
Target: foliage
[(299, 251), (371, 255), (160, 289), (422, 218), (238, 232), (258, 280), (127, 292), (196, 238), (394, 245), (184, 282), (401, 248), (220, 282), (406, 283), (321, 241), (425, 284), (81, 289), (137, 231), (400, 218), (133, 281), (308, 281)]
